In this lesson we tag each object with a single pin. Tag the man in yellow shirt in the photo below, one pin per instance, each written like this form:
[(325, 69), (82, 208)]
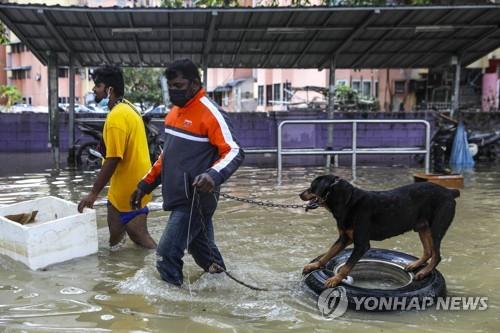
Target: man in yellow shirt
[(126, 161)]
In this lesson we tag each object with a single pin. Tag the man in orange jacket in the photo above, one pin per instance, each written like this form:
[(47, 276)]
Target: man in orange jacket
[(199, 154)]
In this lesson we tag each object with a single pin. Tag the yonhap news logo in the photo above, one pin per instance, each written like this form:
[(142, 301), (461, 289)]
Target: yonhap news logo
[(333, 303)]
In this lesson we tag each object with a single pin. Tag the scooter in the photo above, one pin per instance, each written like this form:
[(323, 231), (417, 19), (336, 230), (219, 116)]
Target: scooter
[(91, 154), (482, 145), (155, 140), (88, 155)]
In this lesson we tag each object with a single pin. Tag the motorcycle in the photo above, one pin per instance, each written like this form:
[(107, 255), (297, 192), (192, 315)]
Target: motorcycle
[(482, 145), (90, 154)]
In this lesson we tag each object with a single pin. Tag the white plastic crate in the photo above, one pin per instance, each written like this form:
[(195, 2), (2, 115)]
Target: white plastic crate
[(58, 234)]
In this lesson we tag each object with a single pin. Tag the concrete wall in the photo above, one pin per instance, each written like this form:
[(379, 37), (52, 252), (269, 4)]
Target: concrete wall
[(27, 133)]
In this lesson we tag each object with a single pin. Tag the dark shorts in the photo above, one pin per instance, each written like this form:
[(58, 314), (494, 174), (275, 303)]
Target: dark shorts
[(126, 217)]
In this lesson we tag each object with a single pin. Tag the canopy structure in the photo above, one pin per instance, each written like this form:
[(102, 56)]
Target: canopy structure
[(264, 37)]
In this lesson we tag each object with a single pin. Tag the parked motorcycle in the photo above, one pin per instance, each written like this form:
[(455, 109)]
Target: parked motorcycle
[(90, 154), (155, 140), (482, 144)]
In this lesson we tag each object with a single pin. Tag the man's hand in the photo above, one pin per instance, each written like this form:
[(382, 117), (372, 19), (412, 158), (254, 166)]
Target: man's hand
[(204, 183), (136, 199), (88, 201)]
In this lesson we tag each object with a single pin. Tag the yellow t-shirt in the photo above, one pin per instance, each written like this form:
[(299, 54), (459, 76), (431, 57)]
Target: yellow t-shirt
[(125, 137)]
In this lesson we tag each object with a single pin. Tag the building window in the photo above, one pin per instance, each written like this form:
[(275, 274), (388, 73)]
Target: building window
[(269, 94), (260, 95), (18, 48), (341, 83), (356, 86), (367, 89), (399, 87), (287, 91), (375, 92), (277, 92), (20, 74), (63, 72)]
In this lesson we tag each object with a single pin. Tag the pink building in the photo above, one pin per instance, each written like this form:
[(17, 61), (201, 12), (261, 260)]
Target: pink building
[(23, 70), (238, 89), (491, 86), (275, 89), (29, 75)]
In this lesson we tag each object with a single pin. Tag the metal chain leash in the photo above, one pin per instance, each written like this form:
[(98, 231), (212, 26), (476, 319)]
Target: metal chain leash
[(258, 202)]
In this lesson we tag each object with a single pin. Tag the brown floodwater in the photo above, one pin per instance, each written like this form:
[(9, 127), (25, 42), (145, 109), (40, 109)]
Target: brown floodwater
[(266, 247)]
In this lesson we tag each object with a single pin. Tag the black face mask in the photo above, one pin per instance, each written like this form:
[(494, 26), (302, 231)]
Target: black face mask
[(178, 97)]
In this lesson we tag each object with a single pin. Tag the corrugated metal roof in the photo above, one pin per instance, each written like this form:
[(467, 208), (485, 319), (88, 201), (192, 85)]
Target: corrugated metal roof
[(264, 37)]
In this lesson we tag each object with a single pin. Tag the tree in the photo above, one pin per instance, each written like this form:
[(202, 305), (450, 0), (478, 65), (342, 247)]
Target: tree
[(216, 3), (11, 94), (142, 85), (374, 2), (4, 36), (172, 3)]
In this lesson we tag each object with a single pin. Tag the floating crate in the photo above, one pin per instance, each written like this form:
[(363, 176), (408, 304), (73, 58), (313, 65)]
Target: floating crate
[(450, 181), (58, 234)]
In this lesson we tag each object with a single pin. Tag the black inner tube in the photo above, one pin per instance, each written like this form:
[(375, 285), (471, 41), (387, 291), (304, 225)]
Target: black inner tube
[(377, 274), (380, 274)]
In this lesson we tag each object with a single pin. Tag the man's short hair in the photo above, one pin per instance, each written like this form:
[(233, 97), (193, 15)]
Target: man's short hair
[(111, 76), (184, 67)]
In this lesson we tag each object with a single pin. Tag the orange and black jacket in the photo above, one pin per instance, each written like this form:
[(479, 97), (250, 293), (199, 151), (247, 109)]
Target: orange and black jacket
[(198, 138)]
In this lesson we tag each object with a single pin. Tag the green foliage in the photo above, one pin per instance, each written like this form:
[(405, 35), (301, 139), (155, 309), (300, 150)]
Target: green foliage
[(4, 36), (300, 3), (216, 3), (374, 2), (11, 94), (172, 3), (345, 95), (349, 99), (142, 85)]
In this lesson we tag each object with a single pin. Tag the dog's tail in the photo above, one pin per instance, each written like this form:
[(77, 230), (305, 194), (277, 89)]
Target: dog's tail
[(455, 193)]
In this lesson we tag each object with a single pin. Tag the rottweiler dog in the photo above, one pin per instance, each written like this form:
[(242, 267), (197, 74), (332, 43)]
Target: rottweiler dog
[(363, 216)]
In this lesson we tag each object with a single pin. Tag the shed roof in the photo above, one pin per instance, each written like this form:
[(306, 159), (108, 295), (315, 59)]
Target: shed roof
[(264, 37)]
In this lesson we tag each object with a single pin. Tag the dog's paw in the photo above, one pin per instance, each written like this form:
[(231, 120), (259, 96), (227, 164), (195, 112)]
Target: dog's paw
[(311, 267), (422, 274), (413, 266), (333, 281)]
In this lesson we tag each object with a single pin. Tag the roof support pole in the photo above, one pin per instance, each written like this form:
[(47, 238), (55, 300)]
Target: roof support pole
[(205, 71), (456, 90), (71, 120), (208, 44), (331, 110), (53, 109)]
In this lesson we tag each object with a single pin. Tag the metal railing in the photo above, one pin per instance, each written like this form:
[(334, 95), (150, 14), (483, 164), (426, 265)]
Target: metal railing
[(354, 151)]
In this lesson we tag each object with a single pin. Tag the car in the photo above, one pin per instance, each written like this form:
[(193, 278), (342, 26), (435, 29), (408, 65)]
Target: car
[(20, 108), (79, 108), (159, 111)]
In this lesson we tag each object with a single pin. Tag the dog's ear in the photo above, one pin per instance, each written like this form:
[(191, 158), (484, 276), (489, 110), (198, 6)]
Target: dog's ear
[(333, 181), (323, 184), (342, 191)]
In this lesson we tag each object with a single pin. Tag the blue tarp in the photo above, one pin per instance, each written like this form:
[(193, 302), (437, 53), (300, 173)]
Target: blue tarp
[(461, 158)]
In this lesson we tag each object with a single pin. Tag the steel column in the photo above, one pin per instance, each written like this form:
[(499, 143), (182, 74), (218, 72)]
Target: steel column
[(71, 120), (53, 109), (456, 88), (331, 108)]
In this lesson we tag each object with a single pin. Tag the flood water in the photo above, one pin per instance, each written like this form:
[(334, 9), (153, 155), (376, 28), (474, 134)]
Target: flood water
[(266, 247)]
